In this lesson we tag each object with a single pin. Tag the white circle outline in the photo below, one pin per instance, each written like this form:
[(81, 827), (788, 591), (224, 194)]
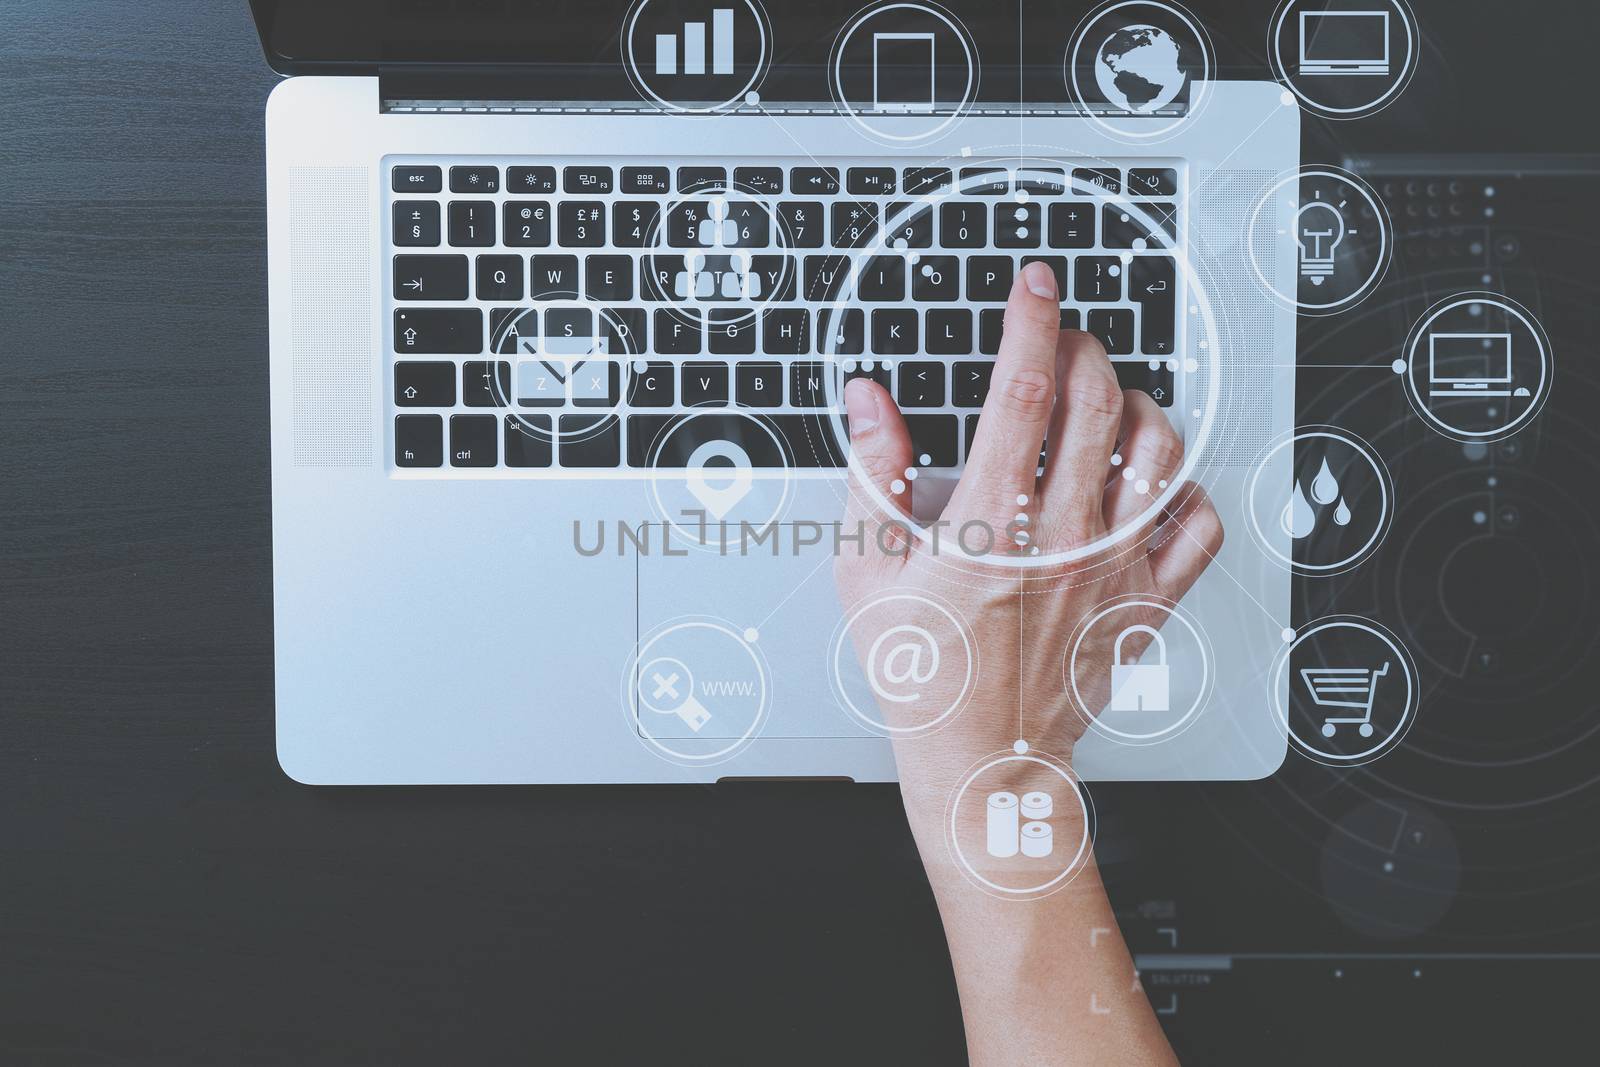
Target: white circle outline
[(1516, 311), (630, 690), (1280, 70), (1079, 858), (1208, 343), (1385, 485), (631, 66), (1347, 622), (1385, 233), (1173, 610), (969, 48), (835, 668), (1199, 88), (654, 475)]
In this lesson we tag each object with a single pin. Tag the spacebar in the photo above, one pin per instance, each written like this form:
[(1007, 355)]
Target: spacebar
[(668, 441)]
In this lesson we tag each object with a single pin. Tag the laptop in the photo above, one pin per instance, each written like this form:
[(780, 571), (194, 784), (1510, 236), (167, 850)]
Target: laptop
[(526, 314)]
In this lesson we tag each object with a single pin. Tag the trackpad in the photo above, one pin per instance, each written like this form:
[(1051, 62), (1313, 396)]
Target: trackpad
[(779, 592)]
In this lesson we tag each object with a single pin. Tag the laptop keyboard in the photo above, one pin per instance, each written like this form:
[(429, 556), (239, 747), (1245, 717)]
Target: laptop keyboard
[(600, 316)]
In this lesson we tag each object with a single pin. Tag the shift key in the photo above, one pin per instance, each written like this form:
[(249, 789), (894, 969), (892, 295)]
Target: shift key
[(438, 331)]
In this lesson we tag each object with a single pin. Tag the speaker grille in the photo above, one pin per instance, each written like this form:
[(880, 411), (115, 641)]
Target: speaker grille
[(331, 278)]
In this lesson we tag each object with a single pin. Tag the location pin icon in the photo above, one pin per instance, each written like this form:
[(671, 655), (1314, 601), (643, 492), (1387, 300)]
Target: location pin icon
[(718, 500)]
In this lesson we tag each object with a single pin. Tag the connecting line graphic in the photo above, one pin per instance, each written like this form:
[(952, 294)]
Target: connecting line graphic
[(1217, 169), (1211, 556), (790, 594)]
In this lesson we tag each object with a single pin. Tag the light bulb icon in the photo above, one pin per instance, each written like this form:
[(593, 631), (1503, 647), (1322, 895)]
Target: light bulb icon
[(1319, 227)]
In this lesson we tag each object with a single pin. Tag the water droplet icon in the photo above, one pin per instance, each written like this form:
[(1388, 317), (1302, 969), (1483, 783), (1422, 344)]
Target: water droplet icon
[(1298, 518), (1324, 487), (1341, 514)]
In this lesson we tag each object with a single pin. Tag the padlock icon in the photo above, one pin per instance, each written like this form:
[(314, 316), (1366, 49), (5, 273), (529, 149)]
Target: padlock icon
[(1140, 686)]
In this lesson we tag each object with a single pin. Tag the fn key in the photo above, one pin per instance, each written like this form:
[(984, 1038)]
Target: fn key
[(418, 441)]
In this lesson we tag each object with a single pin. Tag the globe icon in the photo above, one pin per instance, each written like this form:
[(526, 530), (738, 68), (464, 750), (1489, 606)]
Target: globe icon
[(1139, 69)]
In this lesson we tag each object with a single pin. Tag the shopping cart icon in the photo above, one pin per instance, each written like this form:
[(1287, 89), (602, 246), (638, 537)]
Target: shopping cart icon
[(1344, 687)]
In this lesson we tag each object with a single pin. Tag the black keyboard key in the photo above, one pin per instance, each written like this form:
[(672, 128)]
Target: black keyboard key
[(1113, 327), (527, 223), (1159, 181), (669, 441), (472, 223), (1152, 284), (608, 277), (654, 386), (824, 278), (910, 224), (882, 278), (869, 181), (936, 278), (513, 331), (1058, 267), (474, 179), (1018, 225), (586, 180), (786, 332), (922, 180), (633, 223), (1106, 179), (529, 441), (921, 385), (441, 331), (776, 278), (590, 441), (526, 180), (499, 277), (766, 181), (646, 180), (570, 331), (758, 385), (473, 440), (1070, 319), (800, 224), (984, 181), (1136, 374), (991, 326), (542, 383), (677, 332), (814, 181), (854, 223), (806, 386), (1072, 225), (416, 180), (963, 225), (553, 277), (949, 332), (419, 441), (751, 225), (659, 277), (1042, 181), (430, 277), (840, 331), (1119, 227), (933, 439), (485, 384), (425, 385), (416, 223), (581, 224), (1160, 223), (704, 385), (702, 179), (623, 331), (731, 331), (894, 331), (989, 278), (1098, 280), (969, 383)]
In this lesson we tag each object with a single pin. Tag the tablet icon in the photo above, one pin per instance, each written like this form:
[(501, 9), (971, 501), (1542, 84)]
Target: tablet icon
[(898, 62)]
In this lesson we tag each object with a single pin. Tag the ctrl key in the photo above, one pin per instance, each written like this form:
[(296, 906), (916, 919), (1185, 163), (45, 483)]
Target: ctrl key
[(418, 440), (473, 440)]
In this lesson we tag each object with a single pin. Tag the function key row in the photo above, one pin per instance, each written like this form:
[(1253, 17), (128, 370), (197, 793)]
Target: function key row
[(990, 180)]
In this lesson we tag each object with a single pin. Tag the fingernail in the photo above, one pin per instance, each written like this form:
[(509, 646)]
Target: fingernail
[(861, 405), (1041, 280)]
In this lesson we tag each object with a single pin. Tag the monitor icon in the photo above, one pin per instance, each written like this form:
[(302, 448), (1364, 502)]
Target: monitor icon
[(898, 60), (1470, 364), (1344, 42)]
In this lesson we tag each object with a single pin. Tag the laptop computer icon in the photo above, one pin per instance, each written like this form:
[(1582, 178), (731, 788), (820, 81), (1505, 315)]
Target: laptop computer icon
[(1344, 42), (1470, 364)]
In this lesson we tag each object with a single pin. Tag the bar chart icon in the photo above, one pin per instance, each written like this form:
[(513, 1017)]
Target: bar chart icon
[(694, 46)]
